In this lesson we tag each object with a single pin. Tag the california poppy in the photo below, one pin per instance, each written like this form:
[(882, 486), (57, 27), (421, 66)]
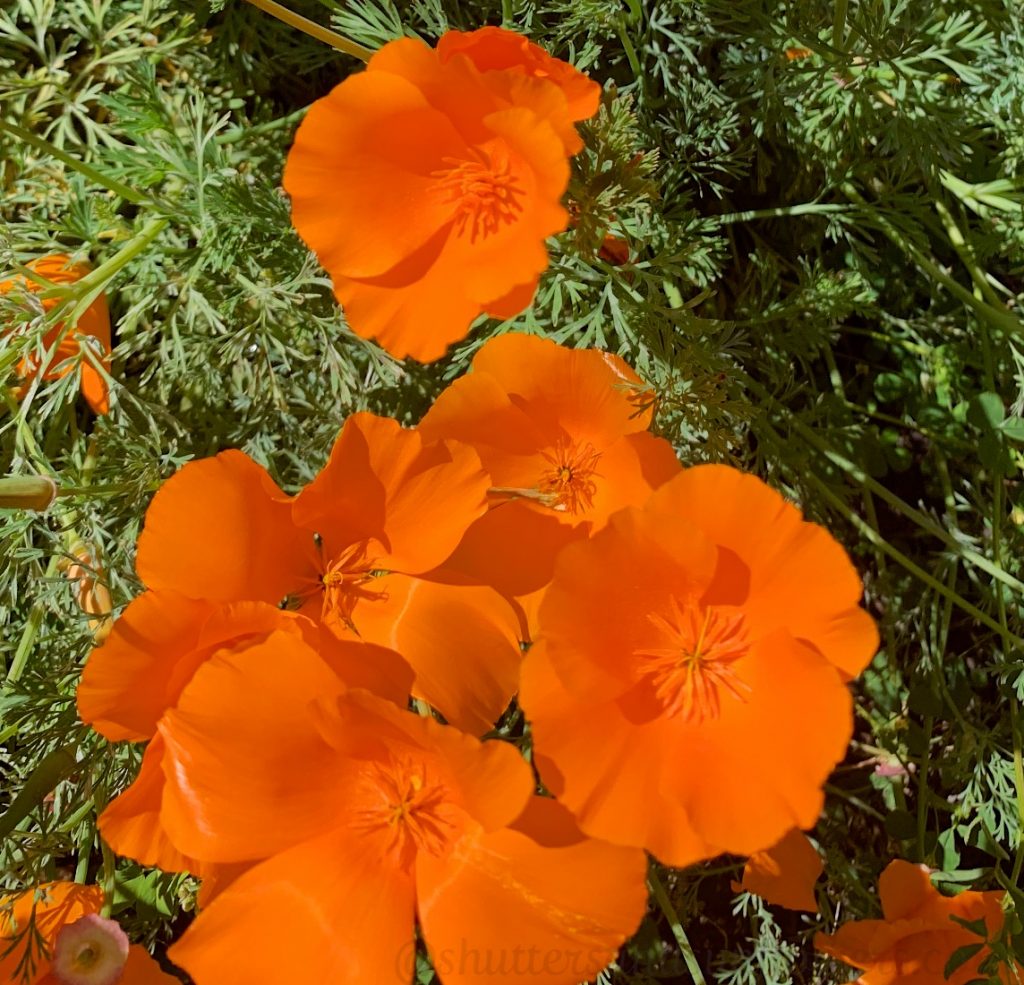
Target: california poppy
[(94, 323), (785, 874), (349, 551), (687, 693), (918, 935), (54, 935), (370, 816), (149, 660), (563, 434), (428, 184)]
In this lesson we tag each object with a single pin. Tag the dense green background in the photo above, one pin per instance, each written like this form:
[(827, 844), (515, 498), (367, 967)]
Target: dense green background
[(824, 205)]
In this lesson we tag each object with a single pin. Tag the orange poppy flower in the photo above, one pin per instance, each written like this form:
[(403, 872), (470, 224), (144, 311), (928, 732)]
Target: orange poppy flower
[(149, 660), (687, 693), (785, 874), (368, 817), (563, 434), (94, 323), (54, 935), (349, 552), (427, 184), (918, 935)]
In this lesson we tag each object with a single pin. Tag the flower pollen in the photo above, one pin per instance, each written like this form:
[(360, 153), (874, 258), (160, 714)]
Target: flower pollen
[(687, 674), (486, 194), (408, 808), (568, 485)]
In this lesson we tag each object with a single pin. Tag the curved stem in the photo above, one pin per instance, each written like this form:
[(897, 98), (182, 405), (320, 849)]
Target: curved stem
[(125, 191), (665, 904), (313, 29)]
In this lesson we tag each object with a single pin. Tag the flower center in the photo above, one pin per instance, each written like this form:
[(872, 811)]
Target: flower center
[(487, 195), (568, 485), (346, 581), (408, 808), (688, 673), (90, 951)]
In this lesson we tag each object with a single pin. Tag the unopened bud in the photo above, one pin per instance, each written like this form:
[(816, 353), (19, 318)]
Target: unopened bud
[(27, 492)]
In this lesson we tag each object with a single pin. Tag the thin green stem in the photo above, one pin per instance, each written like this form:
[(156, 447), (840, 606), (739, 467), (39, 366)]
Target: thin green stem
[(859, 476), (126, 192), (31, 630), (665, 904), (839, 25), (313, 29), (808, 208), (997, 317), (922, 789), (874, 537)]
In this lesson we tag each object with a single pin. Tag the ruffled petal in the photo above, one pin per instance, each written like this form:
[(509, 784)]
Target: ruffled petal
[(505, 907), (131, 824), (248, 773), (787, 558), (221, 529), (785, 874), (323, 911), (462, 641)]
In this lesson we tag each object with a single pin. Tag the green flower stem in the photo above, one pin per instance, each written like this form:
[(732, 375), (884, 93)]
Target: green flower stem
[(839, 25), (126, 192), (313, 29), (808, 208), (874, 537), (998, 317), (31, 630), (666, 907), (963, 249), (858, 475)]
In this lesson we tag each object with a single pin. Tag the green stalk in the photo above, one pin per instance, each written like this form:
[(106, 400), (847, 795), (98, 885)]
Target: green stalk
[(665, 904), (997, 317), (126, 192), (875, 538), (839, 25), (808, 208), (313, 29)]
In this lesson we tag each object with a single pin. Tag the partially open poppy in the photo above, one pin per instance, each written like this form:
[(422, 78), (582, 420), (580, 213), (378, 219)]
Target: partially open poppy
[(785, 874), (369, 816), (918, 935), (669, 643), (53, 935), (350, 552), (428, 184), (563, 434), (94, 323)]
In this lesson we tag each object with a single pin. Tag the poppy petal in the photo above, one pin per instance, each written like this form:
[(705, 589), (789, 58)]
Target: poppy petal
[(593, 395), (222, 803), (384, 185), (142, 968), (323, 911), (462, 641), (221, 529), (152, 651), (604, 768), (130, 824), (504, 907), (787, 556), (785, 874), (385, 482)]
